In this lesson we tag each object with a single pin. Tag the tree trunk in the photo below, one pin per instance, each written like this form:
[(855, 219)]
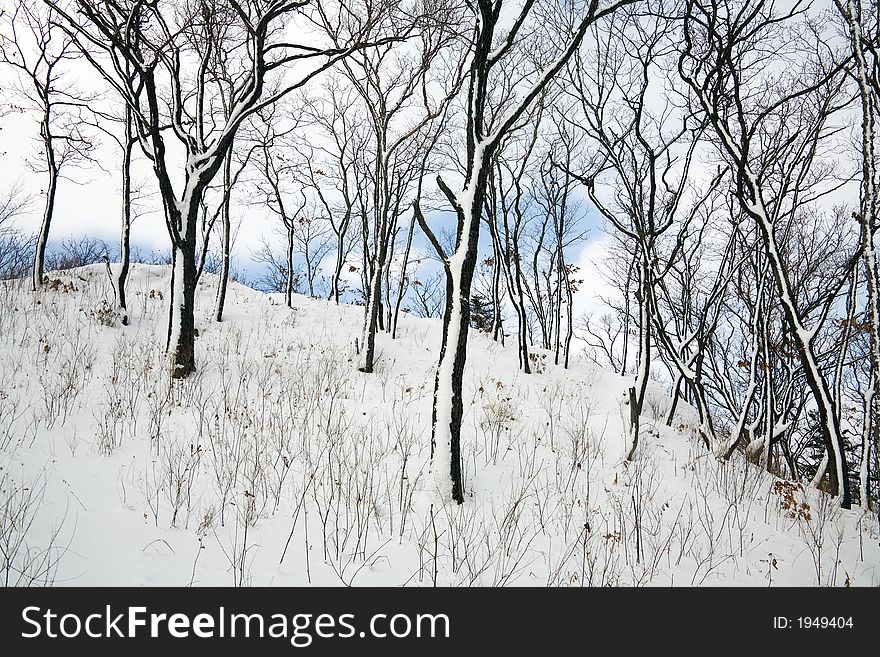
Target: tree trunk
[(627, 317), (181, 322), (49, 208), (560, 273), (449, 382), (373, 311), (749, 196), (509, 254), (828, 419), (401, 287), (633, 423), (569, 326), (676, 390), (643, 371), (870, 200), (497, 328), (288, 287), (227, 236), (125, 237), (337, 271), (864, 464)]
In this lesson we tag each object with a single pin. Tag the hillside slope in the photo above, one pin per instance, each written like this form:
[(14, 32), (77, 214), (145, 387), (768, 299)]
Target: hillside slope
[(279, 464)]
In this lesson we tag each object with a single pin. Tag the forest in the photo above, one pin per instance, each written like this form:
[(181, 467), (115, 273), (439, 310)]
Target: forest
[(376, 305)]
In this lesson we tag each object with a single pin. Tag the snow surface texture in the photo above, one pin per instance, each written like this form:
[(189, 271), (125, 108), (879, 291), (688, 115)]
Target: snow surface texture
[(278, 463)]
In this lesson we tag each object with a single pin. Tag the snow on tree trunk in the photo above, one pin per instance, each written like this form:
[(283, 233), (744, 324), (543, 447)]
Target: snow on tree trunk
[(227, 237), (864, 463), (468, 204), (371, 320), (181, 321), (125, 236), (749, 195), (49, 207), (373, 317), (869, 215), (448, 384), (643, 371)]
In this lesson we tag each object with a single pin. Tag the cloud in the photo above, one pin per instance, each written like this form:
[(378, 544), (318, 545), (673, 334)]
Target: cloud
[(592, 262)]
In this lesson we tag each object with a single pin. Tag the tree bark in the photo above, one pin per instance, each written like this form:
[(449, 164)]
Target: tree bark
[(181, 322), (401, 286), (449, 381), (869, 215), (227, 236), (643, 371), (49, 207), (125, 236), (288, 286)]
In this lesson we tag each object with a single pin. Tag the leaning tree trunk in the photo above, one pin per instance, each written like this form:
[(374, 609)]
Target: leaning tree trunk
[(676, 396), (49, 208), (509, 262), (515, 287), (227, 237), (803, 339), (749, 195), (497, 327)]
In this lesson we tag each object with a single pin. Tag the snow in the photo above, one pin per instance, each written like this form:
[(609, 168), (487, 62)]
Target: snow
[(277, 446)]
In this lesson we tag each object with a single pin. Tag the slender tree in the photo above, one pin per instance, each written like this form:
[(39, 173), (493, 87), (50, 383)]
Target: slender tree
[(862, 21), (39, 51), (770, 135), (159, 58), (489, 45), (644, 158)]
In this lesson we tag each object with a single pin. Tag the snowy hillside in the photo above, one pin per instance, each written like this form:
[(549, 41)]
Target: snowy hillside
[(278, 463)]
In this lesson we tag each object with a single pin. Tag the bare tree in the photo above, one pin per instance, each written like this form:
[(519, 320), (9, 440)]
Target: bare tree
[(39, 50), (15, 248), (277, 172), (563, 214), (644, 160), (485, 130), (862, 21), (331, 166), (160, 58), (128, 143), (771, 134), (507, 212), (395, 83), (688, 301), (107, 123)]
